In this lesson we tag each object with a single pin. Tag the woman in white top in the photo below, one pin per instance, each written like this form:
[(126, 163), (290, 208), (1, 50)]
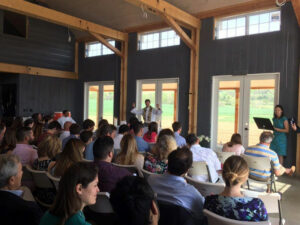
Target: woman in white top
[(235, 145), (129, 154)]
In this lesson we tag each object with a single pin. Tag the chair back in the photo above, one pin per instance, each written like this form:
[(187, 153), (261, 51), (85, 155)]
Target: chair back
[(131, 168), (40, 178), (260, 163), (222, 156), (200, 168), (103, 204), (146, 173), (215, 219), (54, 180), (206, 188)]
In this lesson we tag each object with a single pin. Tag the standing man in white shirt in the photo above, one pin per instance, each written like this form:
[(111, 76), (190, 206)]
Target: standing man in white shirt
[(66, 117), (149, 113)]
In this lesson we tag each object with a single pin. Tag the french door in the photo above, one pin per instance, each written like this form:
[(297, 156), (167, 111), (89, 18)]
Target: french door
[(99, 101), (163, 92), (236, 100)]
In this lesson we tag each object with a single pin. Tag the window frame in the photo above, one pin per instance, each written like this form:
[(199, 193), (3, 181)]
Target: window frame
[(101, 48)]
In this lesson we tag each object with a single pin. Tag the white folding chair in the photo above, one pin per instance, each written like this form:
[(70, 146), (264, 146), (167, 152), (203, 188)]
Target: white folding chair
[(103, 204), (146, 173), (131, 168), (222, 156), (54, 180), (200, 168), (206, 188), (215, 219)]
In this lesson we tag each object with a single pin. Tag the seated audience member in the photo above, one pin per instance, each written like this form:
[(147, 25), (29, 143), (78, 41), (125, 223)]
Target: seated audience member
[(23, 148), (231, 203), (48, 119), (65, 117), (133, 201), (74, 133), (66, 131), (47, 151), (88, 125), (165, 131), (123, 130), (9, 141), (151, 134), (263, 150), (129, 155), (158, 161), (2, 132), (17, 123), (235, 145), (132, 120), (14, 210), (177, 128), (86, 137), (37, 118), (142, 145), (54, 128), (172, 188), (38, 130), (72, 153), (204, 154), (109, 174), (77, 189), (29, 123)]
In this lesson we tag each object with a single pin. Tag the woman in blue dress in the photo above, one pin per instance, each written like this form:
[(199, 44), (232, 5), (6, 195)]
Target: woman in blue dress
[(281, 128)]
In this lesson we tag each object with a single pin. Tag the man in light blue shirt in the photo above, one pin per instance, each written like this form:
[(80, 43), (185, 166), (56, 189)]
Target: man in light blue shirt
[(180, 141), (142, 145), (74, 133), (172, 188)]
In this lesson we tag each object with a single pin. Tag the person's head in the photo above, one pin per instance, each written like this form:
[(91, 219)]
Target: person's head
[(112, 131), (147, 102), (180, 161), (106, 130), (192, 139), (78, 187), (48, 118), (24, 135), (28, 123), (67, 125), (177, 127), (166, 131), (235, 171), (54, 127), (266, 137), (66, 113), (124, 129), (101, 123), (132, 121), (235, 139), (49, 147), (10, 172), (88, 125), (9, 140), (129, 150), (86, 137), (38, 130), (37, 117), (75, 129), (152, 127), (278, 111), (164, 146), (134, 202), (103, 149), (138, 129), (2, 131)]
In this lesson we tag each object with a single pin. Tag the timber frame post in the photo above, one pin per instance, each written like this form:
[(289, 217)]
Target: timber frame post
[(298, 135)]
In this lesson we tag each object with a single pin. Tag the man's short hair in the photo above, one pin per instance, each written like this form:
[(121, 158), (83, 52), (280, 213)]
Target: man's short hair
[(112, 128), (65, 111), (88, 124), (54, 125), (75, 129), (176, 126), (137, 127), (105, 130), (8, 168), (22, 133), (102, 147), (86, 135), (28, 122), (191, 139), (131, 200), (180, 161), (147, 100), (123, 129), (266, 137)]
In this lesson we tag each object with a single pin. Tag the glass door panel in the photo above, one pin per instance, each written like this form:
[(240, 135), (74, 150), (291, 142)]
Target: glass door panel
[(93, 104), (148, 92), (108, 103), (169, 104)]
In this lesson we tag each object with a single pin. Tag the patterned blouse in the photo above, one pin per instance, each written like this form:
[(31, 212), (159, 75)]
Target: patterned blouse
[(237, 208), (41, 165), (153, 165)]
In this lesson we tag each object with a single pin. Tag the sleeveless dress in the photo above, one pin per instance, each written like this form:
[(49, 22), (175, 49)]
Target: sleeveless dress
[(279, 142)]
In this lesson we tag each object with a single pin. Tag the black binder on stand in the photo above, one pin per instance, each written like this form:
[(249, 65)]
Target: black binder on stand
[(263, 123)]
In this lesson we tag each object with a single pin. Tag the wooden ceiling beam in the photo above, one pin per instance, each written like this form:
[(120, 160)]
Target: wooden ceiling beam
[(53, 16), (296, 6), (161, 6), (103, 41)]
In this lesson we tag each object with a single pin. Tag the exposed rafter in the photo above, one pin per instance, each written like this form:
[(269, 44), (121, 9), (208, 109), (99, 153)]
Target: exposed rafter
[(53, 16), (107, 44), (296, 6)]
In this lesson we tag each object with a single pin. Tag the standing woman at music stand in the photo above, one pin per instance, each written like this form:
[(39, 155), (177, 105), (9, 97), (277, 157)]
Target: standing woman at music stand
[(281, 128)]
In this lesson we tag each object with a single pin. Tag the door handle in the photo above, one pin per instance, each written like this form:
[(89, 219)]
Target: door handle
[(246, 128)]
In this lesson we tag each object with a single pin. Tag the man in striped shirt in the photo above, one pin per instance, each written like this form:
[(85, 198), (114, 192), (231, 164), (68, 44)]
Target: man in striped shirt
[(263, 150)]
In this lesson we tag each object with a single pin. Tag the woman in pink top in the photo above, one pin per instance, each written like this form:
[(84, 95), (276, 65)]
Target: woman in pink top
[(151, 134), (235, 145)]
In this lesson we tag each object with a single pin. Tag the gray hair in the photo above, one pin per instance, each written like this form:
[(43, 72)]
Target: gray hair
[(266, 137), (8, 168)]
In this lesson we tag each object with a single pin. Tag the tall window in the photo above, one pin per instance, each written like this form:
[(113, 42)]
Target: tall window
[(97, 49), (158, 39), (248, 24)]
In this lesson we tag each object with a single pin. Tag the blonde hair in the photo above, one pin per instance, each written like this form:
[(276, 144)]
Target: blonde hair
[(129, 151), (235, 170), (49, 147), (165, 145)]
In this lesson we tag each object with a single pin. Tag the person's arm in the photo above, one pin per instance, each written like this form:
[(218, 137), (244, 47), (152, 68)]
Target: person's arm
[(286, 127), (295, 127), (136, 111), (157, 111)]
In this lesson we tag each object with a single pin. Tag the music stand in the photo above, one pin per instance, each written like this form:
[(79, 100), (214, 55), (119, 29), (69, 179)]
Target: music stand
[(263, 123)]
